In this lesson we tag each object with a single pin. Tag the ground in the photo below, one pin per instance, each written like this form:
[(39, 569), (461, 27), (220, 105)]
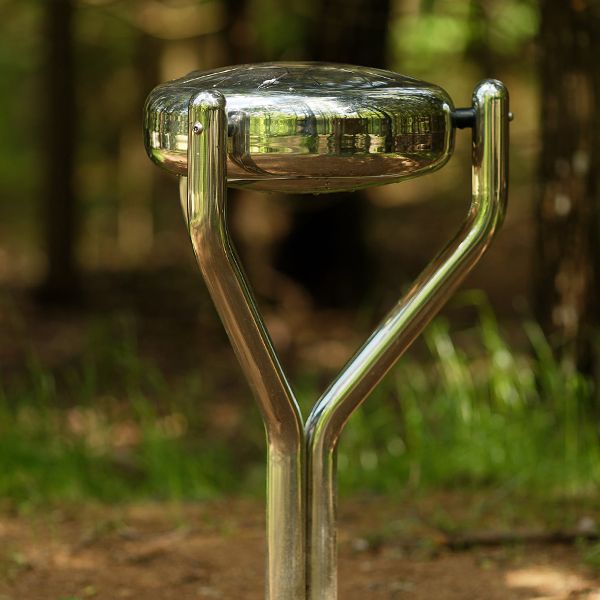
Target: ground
[(215, 550)]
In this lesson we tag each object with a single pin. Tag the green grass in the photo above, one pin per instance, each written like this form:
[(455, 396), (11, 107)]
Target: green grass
[(112, 428), (485, 418)]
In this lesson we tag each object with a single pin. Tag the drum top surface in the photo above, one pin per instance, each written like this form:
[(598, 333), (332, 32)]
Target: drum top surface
[(353, 126)]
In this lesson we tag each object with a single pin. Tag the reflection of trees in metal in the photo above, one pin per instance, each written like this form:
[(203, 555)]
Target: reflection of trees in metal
[(297, 120)]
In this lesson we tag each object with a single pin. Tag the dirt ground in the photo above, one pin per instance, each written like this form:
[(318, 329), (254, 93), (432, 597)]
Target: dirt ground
[(215, 550)]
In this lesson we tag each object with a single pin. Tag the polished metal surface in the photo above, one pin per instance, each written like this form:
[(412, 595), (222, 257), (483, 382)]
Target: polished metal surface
[(229, 289), (301, 470), (309, 127), (399, 329)]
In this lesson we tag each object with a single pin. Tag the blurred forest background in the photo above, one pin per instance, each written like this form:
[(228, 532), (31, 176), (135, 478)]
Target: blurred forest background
[(117, 381)]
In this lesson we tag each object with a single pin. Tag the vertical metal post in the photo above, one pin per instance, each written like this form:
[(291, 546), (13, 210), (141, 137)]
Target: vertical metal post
[(229, 289), (397, 331)]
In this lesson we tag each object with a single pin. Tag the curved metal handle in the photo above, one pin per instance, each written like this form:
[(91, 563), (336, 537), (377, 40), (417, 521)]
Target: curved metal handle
[(399, 329), (230, 291)]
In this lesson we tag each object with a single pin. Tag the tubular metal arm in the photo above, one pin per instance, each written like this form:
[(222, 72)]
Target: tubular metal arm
[(398, 330), (224, 277)]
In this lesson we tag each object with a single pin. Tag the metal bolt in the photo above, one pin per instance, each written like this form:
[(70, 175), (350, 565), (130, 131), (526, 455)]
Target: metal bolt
[(198, 128)]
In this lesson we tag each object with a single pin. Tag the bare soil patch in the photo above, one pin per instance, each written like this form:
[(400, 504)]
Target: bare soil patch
[(216, 550)]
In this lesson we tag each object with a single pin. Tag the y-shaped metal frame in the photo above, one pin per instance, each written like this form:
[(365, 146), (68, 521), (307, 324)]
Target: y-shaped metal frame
[(299, 514)]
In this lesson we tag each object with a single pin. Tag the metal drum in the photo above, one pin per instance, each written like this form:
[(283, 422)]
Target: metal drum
[(309, 127)]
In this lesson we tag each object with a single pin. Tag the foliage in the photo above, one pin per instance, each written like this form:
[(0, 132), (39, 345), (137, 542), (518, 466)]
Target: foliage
[(113, 428), (444, 31), (488, 417)]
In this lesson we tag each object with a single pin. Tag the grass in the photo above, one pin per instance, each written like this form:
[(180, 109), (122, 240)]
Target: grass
[(489, 417), (112, 428)]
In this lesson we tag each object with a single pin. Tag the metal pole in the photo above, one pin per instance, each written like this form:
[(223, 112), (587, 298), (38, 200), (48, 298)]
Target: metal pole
[(230, 291), (398, 330)]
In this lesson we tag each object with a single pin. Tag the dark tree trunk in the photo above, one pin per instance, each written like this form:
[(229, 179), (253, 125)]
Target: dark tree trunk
[(479, 50), (352, 31), (58, 202), (236, 32), (326, 251), (568, 209)]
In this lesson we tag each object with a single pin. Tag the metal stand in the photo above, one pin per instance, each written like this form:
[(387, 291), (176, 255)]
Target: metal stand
[(301, 468)]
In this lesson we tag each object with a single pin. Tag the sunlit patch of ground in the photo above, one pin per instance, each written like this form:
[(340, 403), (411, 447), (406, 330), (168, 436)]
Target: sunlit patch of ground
[(205, 551), (552, 583)]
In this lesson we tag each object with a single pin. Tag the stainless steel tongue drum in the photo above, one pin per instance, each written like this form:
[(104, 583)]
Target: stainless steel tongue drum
[(318, 127)]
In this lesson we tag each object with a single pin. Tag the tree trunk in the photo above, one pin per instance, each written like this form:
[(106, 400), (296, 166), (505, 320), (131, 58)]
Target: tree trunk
[(568, 207), (58, 202), (479, 51), (235, 32), (352, 31), (326, 251)]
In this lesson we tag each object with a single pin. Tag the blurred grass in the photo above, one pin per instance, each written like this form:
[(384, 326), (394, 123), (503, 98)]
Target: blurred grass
[(491, 417), (112, 427)]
